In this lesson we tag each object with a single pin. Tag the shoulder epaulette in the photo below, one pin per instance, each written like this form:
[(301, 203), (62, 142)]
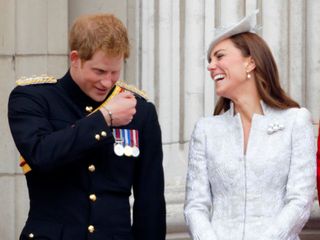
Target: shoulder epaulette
[(35, 80), (132, 89)]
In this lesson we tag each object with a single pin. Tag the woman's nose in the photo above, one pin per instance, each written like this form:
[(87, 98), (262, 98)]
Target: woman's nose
[(212, 66)]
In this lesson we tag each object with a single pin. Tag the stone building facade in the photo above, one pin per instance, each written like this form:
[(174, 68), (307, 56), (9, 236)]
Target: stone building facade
[(169, 39)]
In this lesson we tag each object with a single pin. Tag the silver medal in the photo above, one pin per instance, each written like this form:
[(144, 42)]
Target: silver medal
[(118, 149), (135, 151)]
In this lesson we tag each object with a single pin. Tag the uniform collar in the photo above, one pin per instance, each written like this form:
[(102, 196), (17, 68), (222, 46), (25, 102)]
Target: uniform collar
[(76, 94)]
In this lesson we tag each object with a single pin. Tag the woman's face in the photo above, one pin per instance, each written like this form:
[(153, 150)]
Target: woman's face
[(228, 68)]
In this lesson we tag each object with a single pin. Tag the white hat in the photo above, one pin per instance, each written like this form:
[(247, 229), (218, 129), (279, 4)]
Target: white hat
[(246, 24)]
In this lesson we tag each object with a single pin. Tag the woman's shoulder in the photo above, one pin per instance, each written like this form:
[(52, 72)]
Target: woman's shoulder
[(297, 116), (211, 119), (297, 113), (210, 123)]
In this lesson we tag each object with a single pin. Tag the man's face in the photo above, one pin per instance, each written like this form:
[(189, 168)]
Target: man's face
[(96, 76)]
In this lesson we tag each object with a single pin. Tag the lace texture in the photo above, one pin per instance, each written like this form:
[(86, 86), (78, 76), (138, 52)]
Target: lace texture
[(265, 194)]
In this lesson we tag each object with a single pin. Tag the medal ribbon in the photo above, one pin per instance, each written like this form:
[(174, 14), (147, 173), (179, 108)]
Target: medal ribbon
[(124, 136), (117, 134), (136, 135), (134, 142)]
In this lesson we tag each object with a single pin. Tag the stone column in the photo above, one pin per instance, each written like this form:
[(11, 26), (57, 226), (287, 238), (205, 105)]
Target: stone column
[(34, 41)]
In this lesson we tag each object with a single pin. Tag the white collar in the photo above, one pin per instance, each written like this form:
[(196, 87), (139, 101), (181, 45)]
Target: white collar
[(265, 108)]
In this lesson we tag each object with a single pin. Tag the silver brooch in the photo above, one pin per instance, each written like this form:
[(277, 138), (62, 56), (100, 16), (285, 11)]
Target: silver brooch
[(274, 127)]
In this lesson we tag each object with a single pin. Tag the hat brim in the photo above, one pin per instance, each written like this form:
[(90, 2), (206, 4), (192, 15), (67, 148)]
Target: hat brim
[(247, 24)]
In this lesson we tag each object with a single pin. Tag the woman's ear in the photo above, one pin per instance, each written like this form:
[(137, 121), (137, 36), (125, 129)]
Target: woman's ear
[(251, 65)]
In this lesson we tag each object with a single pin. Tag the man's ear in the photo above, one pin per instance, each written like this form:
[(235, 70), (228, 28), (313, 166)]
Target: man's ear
[(75, 60)]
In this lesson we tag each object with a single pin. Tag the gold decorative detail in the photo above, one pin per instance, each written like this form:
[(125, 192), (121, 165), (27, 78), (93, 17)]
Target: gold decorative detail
[(24, 165), (23, 81), (132, 89), (103, 134), (91, 228), (97, 137), (92, 168), (89, 108), (93, 197)]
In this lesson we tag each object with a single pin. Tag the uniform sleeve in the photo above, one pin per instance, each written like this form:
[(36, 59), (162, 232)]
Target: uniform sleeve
[(149, 213), (301, 182), (43, 147), (198, 201)]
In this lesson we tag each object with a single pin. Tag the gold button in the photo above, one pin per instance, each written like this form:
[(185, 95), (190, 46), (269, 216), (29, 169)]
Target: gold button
[(103, 134), (89, 108), (93, 197), (97, 137), (31, 235), (91, 228), (92, 168)]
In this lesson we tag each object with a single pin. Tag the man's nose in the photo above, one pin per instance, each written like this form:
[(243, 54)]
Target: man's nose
[(105, 81)]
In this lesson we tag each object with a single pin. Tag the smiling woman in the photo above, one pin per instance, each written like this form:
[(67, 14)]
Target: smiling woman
[(229, 68), (252, 166)]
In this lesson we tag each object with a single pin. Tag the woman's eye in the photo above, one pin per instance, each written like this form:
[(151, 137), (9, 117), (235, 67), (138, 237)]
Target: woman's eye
[(220, 56)]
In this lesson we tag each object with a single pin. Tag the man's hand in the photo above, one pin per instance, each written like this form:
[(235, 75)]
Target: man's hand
[(122, 108)]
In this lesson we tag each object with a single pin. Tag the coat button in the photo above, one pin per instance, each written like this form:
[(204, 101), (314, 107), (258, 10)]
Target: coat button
[(103, 134), (97, 137), (31, 235), (93, 197), (92, 168), (91, 228), (89, 108)]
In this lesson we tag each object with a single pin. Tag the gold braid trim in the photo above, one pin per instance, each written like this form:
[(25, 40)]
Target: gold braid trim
[(132, 89), (35, 80), (24, 81), (24, 165), (115, 92)]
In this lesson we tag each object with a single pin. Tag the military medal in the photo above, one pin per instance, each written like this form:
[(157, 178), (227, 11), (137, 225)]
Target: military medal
[(126, 142), (117, 147), (127, 148), (135, 151), (135, 143), (128, 151)]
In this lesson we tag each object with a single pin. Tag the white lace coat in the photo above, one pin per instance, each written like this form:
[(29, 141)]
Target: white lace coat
[(265, 194)]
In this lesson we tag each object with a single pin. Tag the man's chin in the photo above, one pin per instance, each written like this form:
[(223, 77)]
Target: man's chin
[(99, 98)]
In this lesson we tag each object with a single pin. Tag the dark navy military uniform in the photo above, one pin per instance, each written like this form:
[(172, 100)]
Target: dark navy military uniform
[(78, 187)]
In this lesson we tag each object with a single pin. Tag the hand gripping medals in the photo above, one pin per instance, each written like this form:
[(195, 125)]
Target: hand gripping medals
[(126, 142)]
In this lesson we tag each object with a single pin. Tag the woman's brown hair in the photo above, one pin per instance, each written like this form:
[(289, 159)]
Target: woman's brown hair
[(266, 73)]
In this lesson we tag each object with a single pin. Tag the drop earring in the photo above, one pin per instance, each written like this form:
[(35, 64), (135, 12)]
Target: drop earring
[(248, 75)]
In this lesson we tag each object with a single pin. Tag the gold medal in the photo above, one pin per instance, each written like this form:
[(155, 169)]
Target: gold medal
[(128, 151)]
